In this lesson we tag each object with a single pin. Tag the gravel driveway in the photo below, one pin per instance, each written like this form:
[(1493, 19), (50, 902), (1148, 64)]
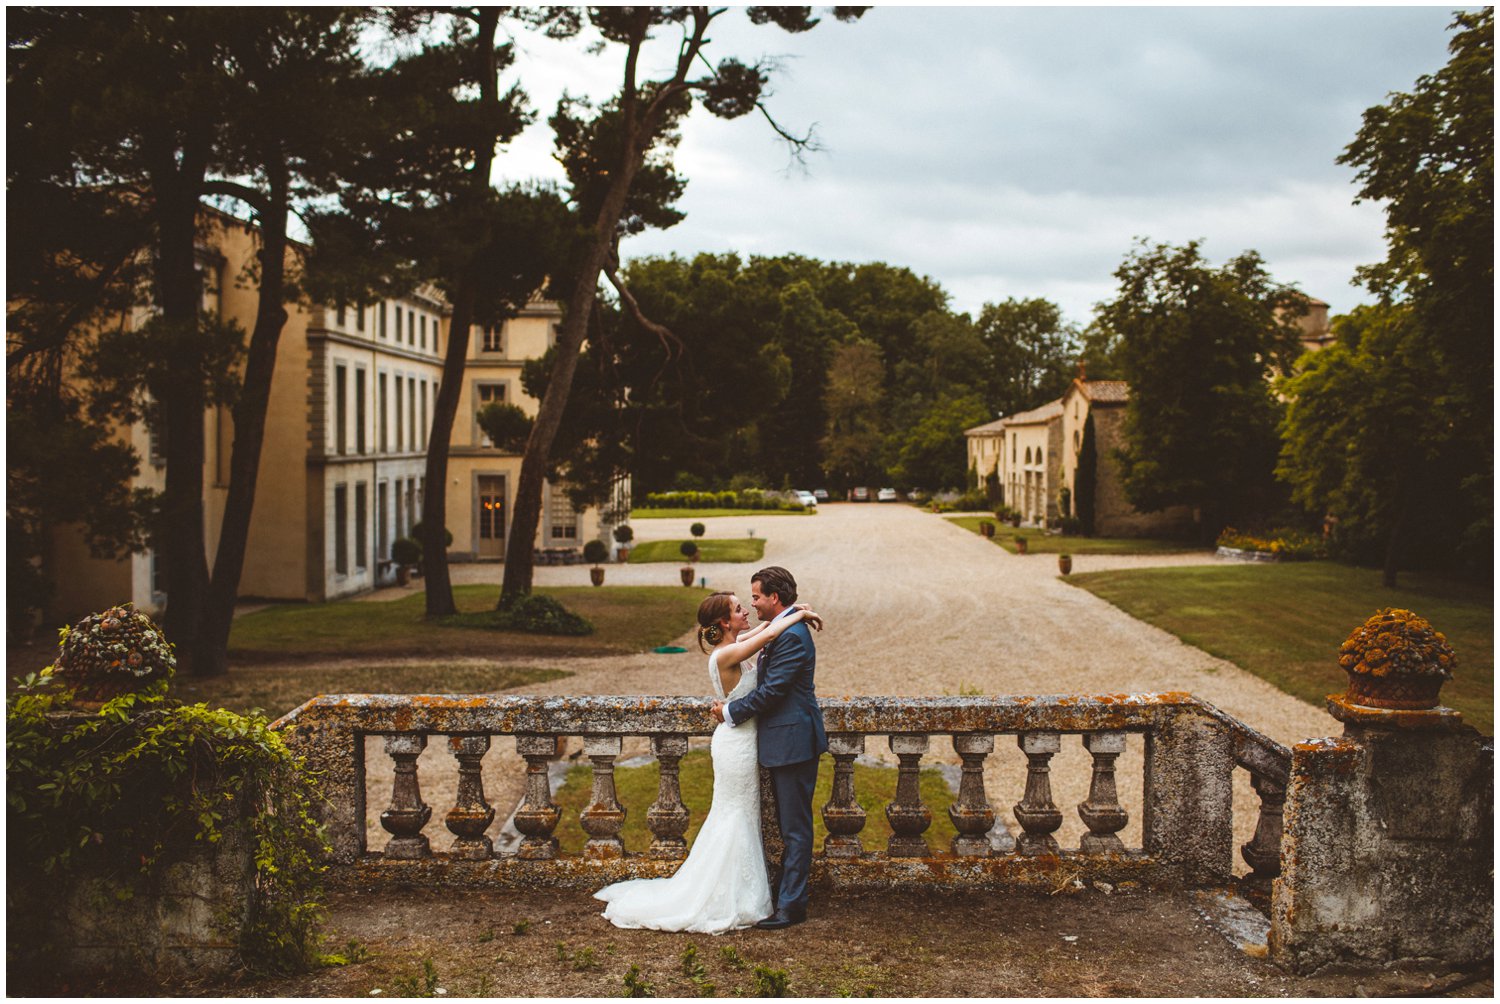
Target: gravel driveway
[(916, 606)]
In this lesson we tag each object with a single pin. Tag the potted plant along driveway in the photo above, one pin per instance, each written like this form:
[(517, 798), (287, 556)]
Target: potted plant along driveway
[(406, 552), (595, 552), (623, 536), (690, 552)]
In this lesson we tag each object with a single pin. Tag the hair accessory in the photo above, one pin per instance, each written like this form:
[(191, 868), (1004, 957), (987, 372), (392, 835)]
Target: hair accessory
[(714, 633)]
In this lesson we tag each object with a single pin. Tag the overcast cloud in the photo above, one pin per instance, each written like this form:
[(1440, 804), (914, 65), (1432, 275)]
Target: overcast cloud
[(1019, 151)]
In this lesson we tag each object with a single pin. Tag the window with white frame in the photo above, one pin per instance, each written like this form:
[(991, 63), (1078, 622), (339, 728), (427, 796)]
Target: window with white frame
[(562, 517)]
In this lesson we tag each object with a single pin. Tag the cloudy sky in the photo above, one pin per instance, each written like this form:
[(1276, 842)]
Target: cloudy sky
[(1018, 152)]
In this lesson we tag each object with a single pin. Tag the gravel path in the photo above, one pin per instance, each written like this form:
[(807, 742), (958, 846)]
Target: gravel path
[(916, 607)]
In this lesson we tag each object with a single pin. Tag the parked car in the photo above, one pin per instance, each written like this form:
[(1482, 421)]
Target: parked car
[(806, 498), (859, 495), (821, 494), (888, 495)]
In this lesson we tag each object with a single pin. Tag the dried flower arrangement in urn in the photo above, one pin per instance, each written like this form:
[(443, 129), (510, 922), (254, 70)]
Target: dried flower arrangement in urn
[(117, 651), (1396, 660)]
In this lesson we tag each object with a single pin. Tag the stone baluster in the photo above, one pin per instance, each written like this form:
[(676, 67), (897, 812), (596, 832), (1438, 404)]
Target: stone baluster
[(604, 816), (843, 815), (971, 814), (1263, 852), (1036, 813), (408, 814), (908, 817), (471, 815), (1102, 813), (537, 817), (668, 817)]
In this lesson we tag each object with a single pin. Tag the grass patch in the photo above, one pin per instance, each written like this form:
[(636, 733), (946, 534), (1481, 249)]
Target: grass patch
[(709, 549), (1038, 542), (625, 619), (712, 513), (276, 690), (1285, 622), (635, 788)]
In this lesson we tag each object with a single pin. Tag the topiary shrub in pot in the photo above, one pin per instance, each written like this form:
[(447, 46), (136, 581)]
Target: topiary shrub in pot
[(690, 552), (697, 529), (406, 552), (623, 535), (986, 528), (595, 552)]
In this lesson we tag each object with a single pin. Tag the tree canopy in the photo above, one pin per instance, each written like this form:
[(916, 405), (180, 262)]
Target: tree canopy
[(1198, 345)]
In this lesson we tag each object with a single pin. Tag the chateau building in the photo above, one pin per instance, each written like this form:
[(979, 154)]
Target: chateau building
[(1036, 453), (343, 463)]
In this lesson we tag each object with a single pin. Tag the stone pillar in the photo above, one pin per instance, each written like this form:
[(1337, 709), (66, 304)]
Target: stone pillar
[(603, 818), (971, 814), (1387, 853), (335, 753), (408, 813), (668, 817), (538, 815), (1102, 813), (1038, 815), (908, 817), (1189, 798), (471, 815), (843, 815)]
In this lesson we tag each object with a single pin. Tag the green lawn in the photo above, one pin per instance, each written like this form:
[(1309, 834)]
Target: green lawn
[(711, 513), (1285, 622), (625, 619), (1038, 542), (635, 788), (275, 690), (709, 549)]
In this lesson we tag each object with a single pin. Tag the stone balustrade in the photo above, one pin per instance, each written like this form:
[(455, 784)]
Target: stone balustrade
[(1190, 752)]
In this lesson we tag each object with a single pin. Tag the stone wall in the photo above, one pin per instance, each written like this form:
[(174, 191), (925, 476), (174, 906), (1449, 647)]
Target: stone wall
[(1388, 850), (1114, 516)]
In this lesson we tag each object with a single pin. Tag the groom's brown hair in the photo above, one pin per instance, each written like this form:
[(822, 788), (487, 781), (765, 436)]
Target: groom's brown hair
[(775, 579)]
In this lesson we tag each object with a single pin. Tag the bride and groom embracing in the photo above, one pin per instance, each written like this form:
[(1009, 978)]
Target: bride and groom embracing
[(768, 717)]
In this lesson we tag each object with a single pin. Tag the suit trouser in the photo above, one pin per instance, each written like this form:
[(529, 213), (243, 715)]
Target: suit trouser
[(793, 785)]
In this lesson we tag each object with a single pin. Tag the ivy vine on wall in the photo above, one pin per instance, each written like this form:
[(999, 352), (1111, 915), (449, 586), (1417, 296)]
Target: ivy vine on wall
[(145, 781)]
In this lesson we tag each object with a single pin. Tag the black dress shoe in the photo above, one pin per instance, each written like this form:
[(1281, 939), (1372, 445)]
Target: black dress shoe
[(782, 918)]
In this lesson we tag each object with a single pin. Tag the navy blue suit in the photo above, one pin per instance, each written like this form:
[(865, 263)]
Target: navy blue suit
[(790, 737)]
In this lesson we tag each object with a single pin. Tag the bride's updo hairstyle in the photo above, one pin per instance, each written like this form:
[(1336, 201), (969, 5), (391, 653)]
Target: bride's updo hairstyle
[(717, 607)]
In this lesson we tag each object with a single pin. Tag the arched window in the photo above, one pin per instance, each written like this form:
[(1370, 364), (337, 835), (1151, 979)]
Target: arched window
[(1028, 454)]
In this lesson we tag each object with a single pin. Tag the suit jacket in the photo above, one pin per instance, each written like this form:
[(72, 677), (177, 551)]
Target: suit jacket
[(790, 726)]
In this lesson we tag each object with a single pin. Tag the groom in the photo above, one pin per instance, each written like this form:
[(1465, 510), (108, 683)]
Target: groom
[(790, 735)]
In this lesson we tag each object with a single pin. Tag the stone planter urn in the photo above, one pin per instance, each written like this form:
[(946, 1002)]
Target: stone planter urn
[(986, 529), (1396, 661), (1020, 544), (687, 572), (1065, 563), (596, 576)]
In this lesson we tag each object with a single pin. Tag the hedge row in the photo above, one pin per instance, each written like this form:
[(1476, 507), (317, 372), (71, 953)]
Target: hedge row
[(747, 499)]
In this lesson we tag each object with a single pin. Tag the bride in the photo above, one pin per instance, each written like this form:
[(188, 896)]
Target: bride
[(722, 885)]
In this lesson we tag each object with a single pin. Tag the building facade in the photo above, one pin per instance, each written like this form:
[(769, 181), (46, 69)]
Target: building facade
[(1036, 455), (343, 461)]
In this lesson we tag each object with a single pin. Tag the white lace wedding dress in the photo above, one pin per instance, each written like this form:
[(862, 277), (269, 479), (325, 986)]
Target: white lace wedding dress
[(722, 885)]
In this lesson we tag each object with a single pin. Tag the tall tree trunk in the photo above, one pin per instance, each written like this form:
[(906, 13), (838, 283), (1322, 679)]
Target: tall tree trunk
[(249, 435), (439, 587), (182, 400), (638, 130)]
